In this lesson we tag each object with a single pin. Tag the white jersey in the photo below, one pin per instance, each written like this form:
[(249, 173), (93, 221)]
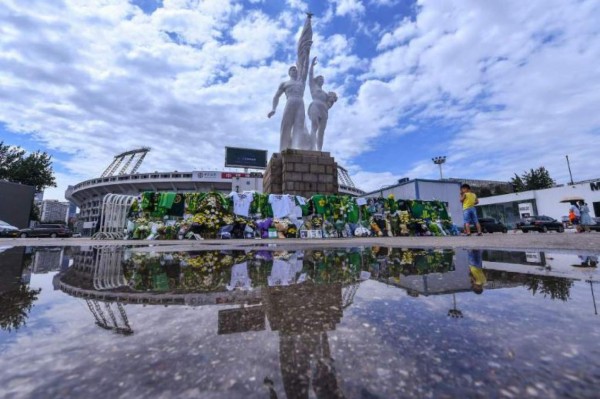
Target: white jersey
[(239, 278), (241, 203), (282, 205)]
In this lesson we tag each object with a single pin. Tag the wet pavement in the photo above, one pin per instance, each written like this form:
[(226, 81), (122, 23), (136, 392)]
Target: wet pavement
[(265, 322), (566, 242)]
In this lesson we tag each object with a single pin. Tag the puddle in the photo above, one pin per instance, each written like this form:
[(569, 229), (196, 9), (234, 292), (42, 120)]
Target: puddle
[(371, 322)]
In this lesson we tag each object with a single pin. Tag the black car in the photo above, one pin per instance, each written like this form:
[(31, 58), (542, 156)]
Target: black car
[(46, 230), (7, 230), (491, 225), (540, 223)]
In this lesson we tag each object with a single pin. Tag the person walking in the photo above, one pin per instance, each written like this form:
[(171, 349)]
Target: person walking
[(575, 215), (469, 200), (585, 218)]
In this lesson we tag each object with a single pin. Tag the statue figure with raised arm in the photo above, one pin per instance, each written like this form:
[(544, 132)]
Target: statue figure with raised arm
[(318, 110), (293, 129)]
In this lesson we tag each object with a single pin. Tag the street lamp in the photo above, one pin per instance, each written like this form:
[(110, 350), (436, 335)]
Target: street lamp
[(454, 312), (439, 161)]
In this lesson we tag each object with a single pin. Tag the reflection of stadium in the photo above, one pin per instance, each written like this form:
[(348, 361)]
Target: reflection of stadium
[(98, 275), (121, 177), (302, 312), (301, 295)]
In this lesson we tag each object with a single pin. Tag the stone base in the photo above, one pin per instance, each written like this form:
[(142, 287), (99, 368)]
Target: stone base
[(300, 172)]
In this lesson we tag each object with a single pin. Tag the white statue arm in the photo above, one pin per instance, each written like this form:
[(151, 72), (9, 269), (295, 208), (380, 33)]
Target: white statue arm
[(304, 44), (280, 91), (311, 77)]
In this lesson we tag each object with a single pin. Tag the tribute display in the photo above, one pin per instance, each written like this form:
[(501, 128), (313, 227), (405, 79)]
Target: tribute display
[(294, 133)]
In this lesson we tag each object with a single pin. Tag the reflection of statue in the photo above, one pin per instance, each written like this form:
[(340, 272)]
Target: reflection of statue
[(318, 110), (303, 313), (292, 122)]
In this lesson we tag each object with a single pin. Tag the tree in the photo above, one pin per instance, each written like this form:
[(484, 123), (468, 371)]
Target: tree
[(484, 192), (34, 213), (517, 183), (556, 287), (15, 306), (8, 158), (501, 189), (535, 179), (34, 169)]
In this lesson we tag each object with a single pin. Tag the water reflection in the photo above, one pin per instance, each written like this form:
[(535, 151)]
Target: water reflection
[(16, 266), (302, 301), (249, 278)]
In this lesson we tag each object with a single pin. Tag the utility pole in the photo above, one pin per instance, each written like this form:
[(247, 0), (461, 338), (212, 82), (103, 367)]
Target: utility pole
[(569, 166)]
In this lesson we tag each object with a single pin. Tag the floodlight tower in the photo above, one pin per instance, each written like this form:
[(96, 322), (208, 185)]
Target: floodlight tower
[(439, 161)]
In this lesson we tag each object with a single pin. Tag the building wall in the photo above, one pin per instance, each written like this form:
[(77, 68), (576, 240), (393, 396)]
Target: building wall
[(54, 211), (241, 184), (445, 192), (427, 190), (15, 203), (11, 268), (547, 202), (405, 191), (457, 280)]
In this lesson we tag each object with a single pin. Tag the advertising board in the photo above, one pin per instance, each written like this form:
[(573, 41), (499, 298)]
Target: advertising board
[(245, 158)]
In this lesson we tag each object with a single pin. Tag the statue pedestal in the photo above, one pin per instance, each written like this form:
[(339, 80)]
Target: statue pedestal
[(300, 172)]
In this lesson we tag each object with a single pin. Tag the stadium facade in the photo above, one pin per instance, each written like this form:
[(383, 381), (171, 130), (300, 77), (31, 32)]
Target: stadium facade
[(121, 177)]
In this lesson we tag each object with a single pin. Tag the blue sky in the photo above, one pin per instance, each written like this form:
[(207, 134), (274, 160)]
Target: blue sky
[(497, 87)]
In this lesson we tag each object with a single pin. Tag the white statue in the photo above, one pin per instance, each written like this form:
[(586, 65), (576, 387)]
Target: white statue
[(293, 129), (318, 110)]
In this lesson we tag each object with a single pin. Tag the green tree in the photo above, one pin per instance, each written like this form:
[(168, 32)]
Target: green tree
[(555, 287), (34, 169), (484, 192), (518, 183), (9, 156), (34, 213), (535, 179), (15, 306), (501, 189)]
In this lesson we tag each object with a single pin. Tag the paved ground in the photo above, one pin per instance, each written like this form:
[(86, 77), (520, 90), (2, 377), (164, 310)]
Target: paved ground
[(586, 242)]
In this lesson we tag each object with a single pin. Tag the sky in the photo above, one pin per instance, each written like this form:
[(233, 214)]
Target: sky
[(496, 87)]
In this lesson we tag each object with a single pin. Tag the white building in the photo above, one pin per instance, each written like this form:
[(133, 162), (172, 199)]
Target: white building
[(54, 211), (509, 208)]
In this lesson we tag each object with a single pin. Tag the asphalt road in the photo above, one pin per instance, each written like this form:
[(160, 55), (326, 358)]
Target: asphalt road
[(575, 242)]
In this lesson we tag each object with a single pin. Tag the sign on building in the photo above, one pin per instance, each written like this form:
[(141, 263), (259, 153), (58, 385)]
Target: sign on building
[(525, 210)]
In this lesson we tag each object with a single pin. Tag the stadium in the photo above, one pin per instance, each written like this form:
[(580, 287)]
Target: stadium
[(122, 177)]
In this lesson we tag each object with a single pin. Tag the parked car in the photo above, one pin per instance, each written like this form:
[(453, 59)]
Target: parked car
[(594, 227), (491, 225), (8, 230), (540, 223), (46, 230)]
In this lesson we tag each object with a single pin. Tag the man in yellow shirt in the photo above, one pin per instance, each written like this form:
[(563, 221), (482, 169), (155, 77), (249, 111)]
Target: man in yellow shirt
[(469, 200), (478, 278)]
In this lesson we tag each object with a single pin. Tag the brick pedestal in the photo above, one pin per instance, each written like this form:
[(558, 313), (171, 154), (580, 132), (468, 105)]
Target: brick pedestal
[(300, 172)]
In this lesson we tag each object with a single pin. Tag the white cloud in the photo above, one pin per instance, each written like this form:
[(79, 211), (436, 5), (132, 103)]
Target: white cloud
[(386, 3), (371, 181), (349, 7), (518, 82), (516, 77), (405, 31)]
